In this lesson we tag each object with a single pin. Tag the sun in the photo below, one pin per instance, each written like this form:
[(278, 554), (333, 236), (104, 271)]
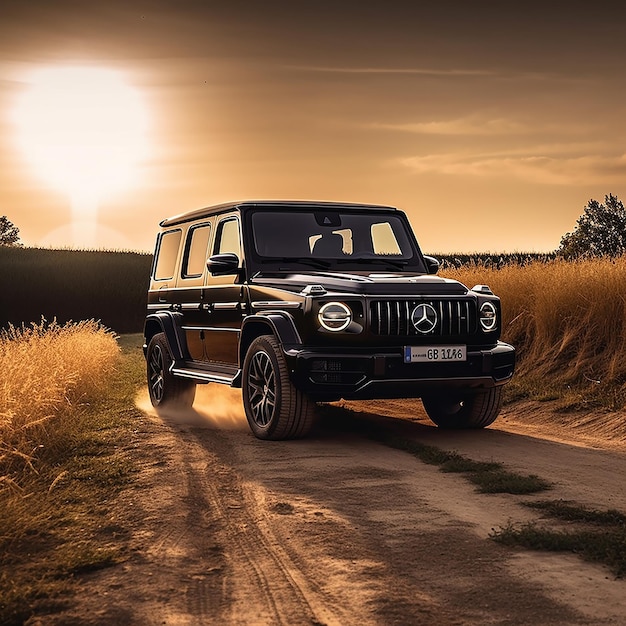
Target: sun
[(84, 129)]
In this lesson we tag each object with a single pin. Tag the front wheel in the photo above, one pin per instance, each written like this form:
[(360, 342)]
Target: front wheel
[(275, 409), (166, 390), (470, 410)]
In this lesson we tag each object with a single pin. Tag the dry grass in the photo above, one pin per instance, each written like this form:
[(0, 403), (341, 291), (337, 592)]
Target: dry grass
[(57, 517), (567, 320), (48, 371)]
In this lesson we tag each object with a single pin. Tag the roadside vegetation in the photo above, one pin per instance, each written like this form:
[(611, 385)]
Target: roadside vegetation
[(596, 536), (67, 419), (567, 320), (564, 311), (48, 372)]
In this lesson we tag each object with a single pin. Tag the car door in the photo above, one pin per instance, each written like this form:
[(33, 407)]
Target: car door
[(225, 298), (190, 285)]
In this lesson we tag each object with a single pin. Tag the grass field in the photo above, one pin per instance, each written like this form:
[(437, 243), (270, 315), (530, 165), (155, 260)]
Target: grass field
[(567, 320), (74, 285)]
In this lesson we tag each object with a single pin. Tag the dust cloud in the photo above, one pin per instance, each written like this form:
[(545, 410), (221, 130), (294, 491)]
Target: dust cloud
[(215, 406)]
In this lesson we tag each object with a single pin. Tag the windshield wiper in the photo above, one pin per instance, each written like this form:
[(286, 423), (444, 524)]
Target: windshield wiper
[(398, 264), (395, 263)]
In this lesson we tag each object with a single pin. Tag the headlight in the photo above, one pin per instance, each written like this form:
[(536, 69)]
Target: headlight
[(335, 316), (488, 316)]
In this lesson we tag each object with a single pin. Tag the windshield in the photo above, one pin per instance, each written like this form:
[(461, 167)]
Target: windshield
[(326, 238)]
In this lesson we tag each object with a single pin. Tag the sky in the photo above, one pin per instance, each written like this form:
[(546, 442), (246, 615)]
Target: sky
[(490, 125)]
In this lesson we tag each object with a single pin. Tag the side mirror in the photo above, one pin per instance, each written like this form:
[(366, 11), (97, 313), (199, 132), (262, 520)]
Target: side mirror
[(432, 265), (223, 264)]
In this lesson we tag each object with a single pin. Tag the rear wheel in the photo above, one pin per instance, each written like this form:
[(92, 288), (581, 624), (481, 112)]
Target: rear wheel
[(471, 410), (165, 389), (275, 409)]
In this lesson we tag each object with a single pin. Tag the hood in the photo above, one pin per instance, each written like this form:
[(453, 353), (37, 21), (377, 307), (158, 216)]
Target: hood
[(364, 283)]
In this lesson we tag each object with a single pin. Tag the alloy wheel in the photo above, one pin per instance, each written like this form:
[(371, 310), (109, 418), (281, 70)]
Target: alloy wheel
[(262, 388), (156, 374)]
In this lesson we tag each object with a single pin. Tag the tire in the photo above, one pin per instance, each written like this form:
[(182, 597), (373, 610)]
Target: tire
[(166, 390), (274, 408), (472, 410)]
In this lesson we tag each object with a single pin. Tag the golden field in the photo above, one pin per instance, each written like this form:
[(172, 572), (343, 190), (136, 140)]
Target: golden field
[(567, 320), (48, 372)]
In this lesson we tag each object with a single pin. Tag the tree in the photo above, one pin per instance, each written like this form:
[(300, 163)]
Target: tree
[(9, 233), (599, 231)]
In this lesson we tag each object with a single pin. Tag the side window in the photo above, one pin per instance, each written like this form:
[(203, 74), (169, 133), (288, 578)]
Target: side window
[(167, 253), (196, 251), (227, 239)]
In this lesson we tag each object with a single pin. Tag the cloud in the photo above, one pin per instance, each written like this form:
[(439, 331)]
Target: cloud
[(460, 126), (421, 71), (481, 123), (549, 170), (499, 74)]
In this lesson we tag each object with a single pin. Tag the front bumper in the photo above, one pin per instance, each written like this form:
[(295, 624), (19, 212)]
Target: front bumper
[(352, 375)]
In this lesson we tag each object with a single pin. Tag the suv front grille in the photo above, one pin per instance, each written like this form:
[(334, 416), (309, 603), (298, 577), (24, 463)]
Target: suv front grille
[(393, 317)]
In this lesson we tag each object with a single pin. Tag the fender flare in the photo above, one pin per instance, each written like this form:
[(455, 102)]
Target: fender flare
[(279, 323), (170, 324)]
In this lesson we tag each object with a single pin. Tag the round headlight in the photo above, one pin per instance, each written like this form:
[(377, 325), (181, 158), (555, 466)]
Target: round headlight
[(335, 316), (488, 316)]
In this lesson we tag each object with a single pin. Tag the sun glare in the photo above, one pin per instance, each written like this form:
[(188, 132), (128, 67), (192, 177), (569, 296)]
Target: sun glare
[(84, 130)]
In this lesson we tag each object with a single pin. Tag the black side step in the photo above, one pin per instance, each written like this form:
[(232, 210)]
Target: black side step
[(230, 376)]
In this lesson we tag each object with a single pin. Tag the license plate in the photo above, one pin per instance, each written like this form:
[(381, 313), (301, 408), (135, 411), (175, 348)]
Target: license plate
[(434, 354)]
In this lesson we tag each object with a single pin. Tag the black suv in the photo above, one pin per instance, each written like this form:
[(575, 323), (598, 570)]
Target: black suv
[(298, 302)]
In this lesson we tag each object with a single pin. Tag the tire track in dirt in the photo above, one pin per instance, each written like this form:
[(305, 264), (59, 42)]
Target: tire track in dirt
[(265, 586), (350, 522), (280, 575), (334, 529)]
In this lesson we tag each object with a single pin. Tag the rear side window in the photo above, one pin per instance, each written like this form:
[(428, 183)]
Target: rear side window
[(167, 252), (197, 251)]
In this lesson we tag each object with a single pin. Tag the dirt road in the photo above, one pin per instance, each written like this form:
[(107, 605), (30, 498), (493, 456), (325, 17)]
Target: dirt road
[(338, 529)]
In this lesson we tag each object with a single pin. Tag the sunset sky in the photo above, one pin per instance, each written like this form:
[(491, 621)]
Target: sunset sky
[(491, 125)]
